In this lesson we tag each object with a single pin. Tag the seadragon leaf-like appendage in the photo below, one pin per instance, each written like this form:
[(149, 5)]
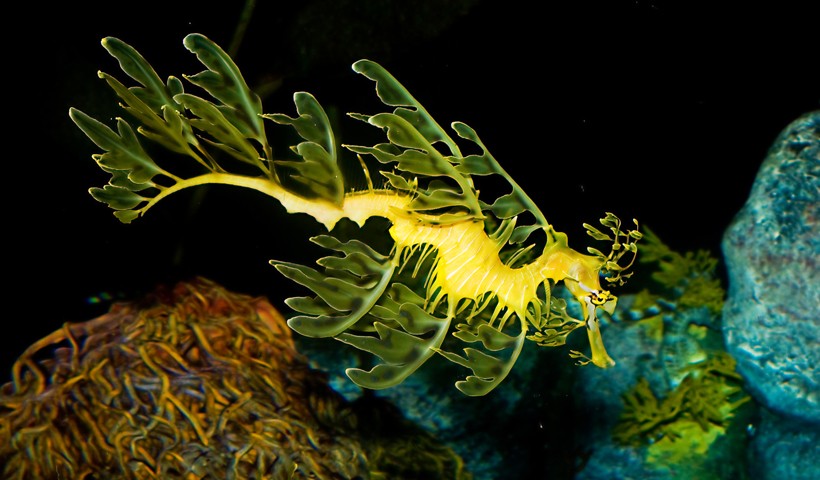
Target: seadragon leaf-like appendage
[(347, 288), (318, 169), (222, 125), (393, 93), (223, 81), (488, 370), (406, 336)]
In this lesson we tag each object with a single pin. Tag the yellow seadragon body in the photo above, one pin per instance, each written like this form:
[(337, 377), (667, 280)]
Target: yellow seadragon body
[(448, 267)]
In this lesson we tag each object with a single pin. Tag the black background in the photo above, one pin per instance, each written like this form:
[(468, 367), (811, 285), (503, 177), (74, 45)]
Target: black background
[(657, 110)]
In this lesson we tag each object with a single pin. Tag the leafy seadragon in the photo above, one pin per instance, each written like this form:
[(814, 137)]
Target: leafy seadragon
[(473, 269)]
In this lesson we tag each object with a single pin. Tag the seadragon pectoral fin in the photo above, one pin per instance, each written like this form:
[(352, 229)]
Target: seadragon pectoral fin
[(346, 290)]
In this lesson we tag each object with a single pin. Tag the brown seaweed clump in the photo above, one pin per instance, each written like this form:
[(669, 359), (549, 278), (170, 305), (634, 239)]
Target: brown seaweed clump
[(194, 382)]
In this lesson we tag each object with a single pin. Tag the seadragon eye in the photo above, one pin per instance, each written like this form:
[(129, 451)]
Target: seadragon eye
[(600, 297)]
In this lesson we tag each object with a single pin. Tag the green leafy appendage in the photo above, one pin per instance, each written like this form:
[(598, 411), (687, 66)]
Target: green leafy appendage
[(413, 134), (230, 123)]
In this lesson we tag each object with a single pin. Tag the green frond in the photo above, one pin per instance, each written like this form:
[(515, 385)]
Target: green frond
[(393, 93), (413, 135), (508, 205), (123, 151), (488, 370), (163, 125), (318, 170), (347, 288), (152, 92), (403, 349), (623, 242), (224, 134), (412, 153), (554, 330), (224, 82)]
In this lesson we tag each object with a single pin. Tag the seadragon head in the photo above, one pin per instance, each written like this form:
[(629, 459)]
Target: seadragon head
[(582, 275)]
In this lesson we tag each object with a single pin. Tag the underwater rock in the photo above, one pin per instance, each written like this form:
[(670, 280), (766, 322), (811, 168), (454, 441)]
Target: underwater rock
[(673, 406), (425, 399), (599, 392), (195, 382), (770, 320), (638, 354), (783, 449), (666, 441), (635, 443)]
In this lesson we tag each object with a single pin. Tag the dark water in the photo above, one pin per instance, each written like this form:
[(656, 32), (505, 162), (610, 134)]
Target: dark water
[(655, 110)]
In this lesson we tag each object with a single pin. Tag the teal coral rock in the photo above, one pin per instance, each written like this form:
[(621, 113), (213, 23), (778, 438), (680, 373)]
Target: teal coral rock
[(784, 449), (770, 322)]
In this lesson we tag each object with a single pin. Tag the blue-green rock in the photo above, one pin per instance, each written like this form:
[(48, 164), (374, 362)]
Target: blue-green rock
[(659, 348), (784, 449), (771, 319)]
